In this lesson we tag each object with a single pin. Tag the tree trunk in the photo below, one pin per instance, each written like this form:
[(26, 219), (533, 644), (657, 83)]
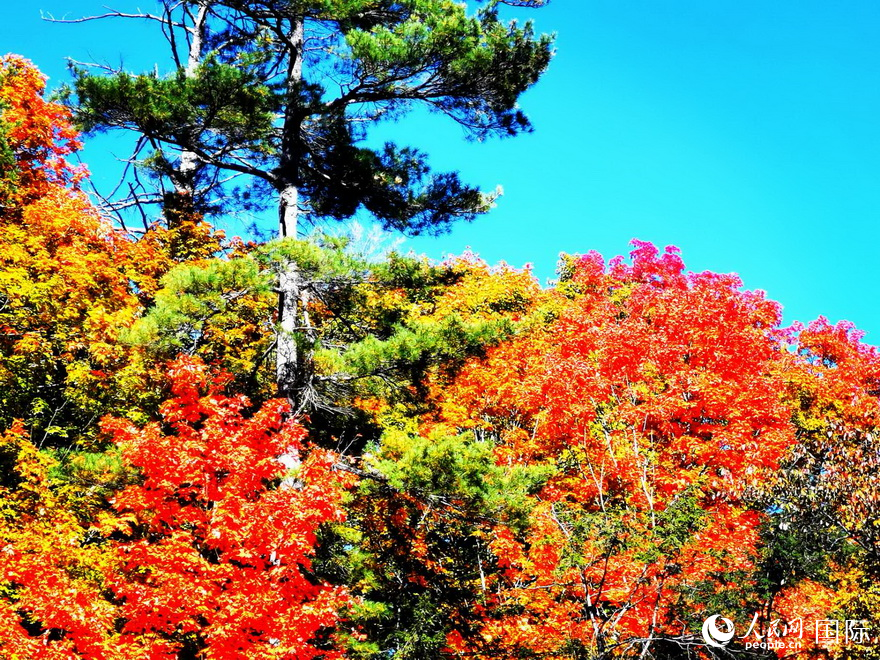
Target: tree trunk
[(183, 178), (289, 363), (287, 353)]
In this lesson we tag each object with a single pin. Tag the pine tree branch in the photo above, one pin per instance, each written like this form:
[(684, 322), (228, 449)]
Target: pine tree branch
[(110, 14)]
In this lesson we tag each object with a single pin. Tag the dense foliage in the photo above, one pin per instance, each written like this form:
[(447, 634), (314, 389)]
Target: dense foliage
[(479, 466)]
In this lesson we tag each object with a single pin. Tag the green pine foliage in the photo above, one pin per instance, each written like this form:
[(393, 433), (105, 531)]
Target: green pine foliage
[(286, 93)]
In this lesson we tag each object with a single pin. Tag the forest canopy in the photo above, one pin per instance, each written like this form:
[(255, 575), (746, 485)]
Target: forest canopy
[(213, 448)]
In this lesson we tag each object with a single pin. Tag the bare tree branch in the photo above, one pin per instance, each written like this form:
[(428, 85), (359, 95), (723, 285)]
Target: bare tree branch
[(110, 14)]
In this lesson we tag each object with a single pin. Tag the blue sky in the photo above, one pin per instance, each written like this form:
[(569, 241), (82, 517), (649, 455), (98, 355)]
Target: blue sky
[(744, 132)]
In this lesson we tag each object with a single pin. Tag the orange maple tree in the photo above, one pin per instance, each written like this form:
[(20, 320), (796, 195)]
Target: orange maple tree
[(52, 600), (35, 135), (828, 491), (218, 535), (65, 291), (653, 394), (206, 554)]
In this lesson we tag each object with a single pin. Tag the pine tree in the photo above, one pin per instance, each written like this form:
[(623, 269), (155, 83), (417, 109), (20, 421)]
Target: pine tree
[(285, 92)]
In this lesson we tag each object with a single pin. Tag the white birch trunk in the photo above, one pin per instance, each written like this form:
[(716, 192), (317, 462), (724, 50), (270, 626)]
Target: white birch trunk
[(289, 281), (184, 180)]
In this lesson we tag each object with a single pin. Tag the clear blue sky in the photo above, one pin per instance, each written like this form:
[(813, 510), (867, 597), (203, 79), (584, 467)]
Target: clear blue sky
[(745, 132)]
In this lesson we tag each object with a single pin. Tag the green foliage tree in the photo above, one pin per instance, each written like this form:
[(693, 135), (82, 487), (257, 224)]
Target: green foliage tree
[(284, 92)]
